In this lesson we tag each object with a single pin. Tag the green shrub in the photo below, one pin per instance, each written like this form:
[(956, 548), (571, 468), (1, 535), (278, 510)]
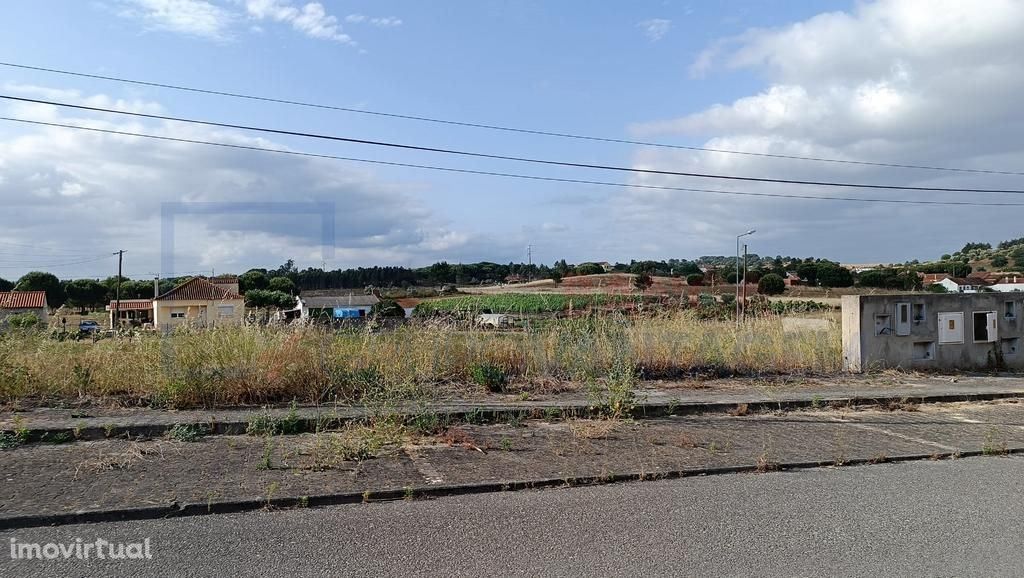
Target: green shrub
[(488, 375), (695, 279), (23, 320), (187, 432), (771, 284), (387, 308)]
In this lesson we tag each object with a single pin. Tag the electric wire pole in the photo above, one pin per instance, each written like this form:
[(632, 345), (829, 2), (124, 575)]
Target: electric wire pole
[(117, 291)]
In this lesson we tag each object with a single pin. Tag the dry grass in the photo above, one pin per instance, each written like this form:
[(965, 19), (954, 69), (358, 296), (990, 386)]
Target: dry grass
[(593, 429), (258, 365)]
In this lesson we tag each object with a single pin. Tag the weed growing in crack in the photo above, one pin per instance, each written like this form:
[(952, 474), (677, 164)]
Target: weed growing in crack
[(994, 445), (187, 432), (268, 451), (9, 441)]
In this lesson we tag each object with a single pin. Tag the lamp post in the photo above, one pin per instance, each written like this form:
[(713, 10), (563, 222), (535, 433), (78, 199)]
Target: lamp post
[(738, 237)]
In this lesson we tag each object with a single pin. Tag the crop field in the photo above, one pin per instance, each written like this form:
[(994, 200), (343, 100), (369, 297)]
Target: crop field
[(521, 303), (260, 364)]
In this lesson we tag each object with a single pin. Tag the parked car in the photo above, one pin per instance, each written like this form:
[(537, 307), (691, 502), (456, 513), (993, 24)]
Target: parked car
[(88, 326)]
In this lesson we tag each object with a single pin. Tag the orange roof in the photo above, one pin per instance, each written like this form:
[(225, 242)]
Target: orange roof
[(198, 289), (132, 305), (22, 299)]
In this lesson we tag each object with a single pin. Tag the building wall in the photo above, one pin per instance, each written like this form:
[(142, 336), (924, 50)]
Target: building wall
[(41, 313), (872, 341), (196, 312)]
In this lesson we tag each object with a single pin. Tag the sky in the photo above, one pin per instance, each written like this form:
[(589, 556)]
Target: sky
[(922, 82)]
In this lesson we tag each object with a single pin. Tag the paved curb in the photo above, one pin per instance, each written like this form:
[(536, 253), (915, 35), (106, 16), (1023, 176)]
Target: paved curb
[(175, 510), (305, 423)]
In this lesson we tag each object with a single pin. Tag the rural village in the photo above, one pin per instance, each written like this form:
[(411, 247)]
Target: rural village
[(337, 287)]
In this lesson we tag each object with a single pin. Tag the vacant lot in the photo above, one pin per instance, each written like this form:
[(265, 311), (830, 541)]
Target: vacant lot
[(255, 365)]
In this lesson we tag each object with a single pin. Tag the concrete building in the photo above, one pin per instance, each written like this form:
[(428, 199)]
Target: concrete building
[(961, 331), (197, 302), (329, 305), (16, 302), (131, 312)]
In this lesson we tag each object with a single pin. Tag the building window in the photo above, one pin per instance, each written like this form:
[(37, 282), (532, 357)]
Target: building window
[(984, 326), (918, 312), (177, 314), (1010, 310), (225, 311)]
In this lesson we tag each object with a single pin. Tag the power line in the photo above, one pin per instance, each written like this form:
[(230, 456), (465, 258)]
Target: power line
[(55, 265), (38, 247), (499, 127), (507, 157), (515, 175)]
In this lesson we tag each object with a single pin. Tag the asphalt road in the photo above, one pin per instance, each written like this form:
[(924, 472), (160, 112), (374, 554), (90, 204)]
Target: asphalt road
[(950, 518)]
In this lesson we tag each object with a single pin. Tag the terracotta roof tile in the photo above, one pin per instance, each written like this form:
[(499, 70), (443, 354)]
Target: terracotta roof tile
[(22, 299), (198, 289)]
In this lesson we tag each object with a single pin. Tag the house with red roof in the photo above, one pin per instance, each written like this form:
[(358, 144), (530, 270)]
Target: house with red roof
[(198, 302), (16, 302)]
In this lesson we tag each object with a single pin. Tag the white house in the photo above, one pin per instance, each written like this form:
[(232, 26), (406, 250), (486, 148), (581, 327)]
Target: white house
[(1008, 284), (327, 305), (959, 285)]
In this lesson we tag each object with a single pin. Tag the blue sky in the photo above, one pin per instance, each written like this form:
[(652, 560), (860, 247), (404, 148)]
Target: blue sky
[(869, 81)]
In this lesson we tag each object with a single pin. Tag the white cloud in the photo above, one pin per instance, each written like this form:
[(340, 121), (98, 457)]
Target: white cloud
[(117, 184), (311, 19), (192, 17), (380, 21), (656, 28), (904, 81)]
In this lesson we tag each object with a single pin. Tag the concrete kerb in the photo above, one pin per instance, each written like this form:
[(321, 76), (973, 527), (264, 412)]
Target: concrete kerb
[(174, 510), (309, 422)]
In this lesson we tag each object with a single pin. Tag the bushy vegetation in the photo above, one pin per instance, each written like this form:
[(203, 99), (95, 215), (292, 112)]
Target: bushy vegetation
[(261, 365), (771, 284)]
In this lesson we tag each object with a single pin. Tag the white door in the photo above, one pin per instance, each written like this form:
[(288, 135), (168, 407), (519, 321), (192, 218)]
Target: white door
[(951, 327), (903, 319)]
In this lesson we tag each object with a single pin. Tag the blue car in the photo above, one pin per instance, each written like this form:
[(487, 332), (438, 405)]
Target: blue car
[(88, 326)]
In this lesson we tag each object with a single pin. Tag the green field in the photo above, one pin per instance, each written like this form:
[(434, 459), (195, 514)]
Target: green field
[(520, 303)]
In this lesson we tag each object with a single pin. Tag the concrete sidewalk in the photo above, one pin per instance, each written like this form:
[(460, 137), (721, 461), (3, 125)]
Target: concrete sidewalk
[(652, 399), (47, 484)]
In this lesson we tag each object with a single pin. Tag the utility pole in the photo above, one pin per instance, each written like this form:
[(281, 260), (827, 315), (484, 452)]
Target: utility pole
[(529, 254), (744, 308), (750, 232), (117, 291)]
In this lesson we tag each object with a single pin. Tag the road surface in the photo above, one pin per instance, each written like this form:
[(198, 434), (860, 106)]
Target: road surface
[(959, 517)]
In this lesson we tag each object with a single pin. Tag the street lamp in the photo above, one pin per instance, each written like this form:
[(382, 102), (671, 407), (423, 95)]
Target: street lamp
[(750, 232)]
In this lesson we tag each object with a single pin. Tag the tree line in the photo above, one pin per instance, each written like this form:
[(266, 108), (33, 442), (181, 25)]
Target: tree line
[(276, 285)]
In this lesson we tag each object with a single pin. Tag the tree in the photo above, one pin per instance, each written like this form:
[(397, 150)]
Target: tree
[(808, 272), (6, 285), (589, 269), (261, 298), (85, 293), (282, 284), (41, 281), (643, 281), (833, 275), (387, 308), (1000, 261), (771, 284), (555, 275), (1018, 256), (253, 279), (695, 279)]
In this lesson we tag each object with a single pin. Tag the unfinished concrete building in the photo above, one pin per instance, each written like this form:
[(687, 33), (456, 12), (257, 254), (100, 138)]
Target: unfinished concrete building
[(944, 331)]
